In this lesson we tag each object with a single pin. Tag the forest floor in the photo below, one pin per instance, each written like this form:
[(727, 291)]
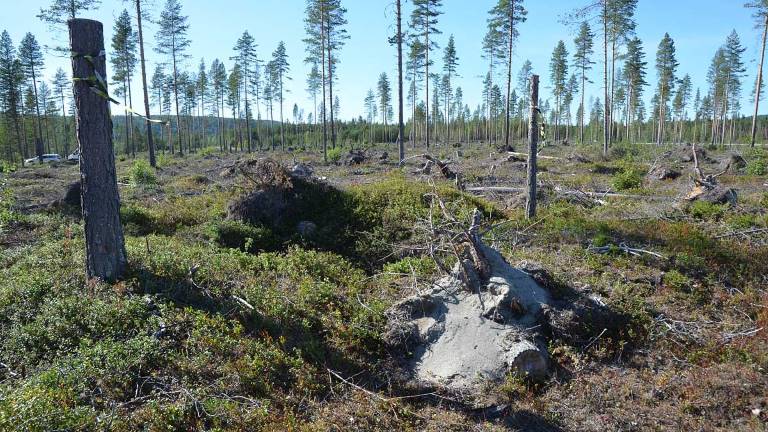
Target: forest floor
[(223, 325)]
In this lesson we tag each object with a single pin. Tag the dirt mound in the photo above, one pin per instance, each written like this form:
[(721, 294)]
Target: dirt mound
[(275, 195), (732, 163), (355, 157), (661, 173), (72, 195), (684, 154)]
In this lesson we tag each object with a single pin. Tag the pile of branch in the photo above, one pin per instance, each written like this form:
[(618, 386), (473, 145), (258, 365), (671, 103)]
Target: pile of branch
[(449, 236)]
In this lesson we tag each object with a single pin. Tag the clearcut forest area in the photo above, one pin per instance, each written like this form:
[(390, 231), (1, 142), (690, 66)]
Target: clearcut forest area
[(202, 240)]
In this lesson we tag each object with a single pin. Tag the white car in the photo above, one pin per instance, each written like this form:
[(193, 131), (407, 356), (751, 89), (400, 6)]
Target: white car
[(74, 157), (47, 158)]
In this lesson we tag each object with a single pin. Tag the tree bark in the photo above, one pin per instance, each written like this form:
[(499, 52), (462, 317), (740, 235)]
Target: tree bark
[(330, 82), (104, 243), (533, 140), (759, 82), (322, 60), (606, 116), (400, 122), (509, 73)]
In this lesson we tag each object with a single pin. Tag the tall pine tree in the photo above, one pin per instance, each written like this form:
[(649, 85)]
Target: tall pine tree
[(172, 41)]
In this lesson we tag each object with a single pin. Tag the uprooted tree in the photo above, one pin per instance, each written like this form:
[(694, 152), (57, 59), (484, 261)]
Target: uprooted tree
[(485, 319)]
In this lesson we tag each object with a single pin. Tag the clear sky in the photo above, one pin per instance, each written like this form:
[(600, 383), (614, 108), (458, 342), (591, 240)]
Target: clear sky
[(698, 27)]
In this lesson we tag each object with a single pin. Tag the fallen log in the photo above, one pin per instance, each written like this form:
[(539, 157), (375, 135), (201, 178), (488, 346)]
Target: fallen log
[(525, 155), (502, 189)]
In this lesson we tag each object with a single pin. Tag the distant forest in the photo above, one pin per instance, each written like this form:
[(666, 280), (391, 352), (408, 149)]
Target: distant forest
[(239, 106)]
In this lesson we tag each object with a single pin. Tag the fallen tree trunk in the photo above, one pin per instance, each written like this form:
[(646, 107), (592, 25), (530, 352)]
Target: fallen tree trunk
[(525, 155), (502, 189)]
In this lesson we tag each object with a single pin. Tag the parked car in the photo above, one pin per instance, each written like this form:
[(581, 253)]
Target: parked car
[(74, 157), (47, 158)]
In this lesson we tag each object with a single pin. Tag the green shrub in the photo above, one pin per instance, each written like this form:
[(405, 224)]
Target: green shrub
[(704, 210), (757, 167), (334, 155), (142, 174), (248, 238), (422, 266), (746, 221), (7, 167), (7, 201), (208, 151), (137, 220), (677, 281), (628, 178)]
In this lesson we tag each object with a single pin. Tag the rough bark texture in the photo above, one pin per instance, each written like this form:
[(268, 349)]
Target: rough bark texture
[(400, 123), (759, 82), (533, 141), (105, 246)]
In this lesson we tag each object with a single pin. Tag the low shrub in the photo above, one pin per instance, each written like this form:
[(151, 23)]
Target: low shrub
[(628, 178), (334, 155), (142, 174), (248, 238), (757, 167), (704, 210), (208, 151)]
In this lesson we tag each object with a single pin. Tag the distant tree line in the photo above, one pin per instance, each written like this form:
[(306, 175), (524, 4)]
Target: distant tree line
[(238, 103)]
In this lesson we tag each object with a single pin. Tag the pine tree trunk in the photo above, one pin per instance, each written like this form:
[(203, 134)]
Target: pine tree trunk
[(282, 133), (400, 103), (662, 114), (330, 84), (39, 148), (176, 95), (759, 82), (322, 55), (533, 139), (132, 139), (509, 72), (606, 129), (247, 109), (104, 243), (426, 93)]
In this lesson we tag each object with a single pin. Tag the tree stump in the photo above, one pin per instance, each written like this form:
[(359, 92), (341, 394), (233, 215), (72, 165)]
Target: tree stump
[(104, 241)]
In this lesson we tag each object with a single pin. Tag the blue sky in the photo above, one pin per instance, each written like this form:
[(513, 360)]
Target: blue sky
[(698, 27)]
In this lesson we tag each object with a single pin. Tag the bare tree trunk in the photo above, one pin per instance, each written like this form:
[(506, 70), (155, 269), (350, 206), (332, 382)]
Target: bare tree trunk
[(426, 92), (176, 95), (247, 111), (606, 119), (533, 139), (323, 41), (509, 72), (400, 122), (662, 115), (282, 123), (330, 83), (104, 243), (759, 82)]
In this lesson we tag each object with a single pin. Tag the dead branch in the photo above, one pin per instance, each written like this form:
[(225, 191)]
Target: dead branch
[(624, 248), (501, 189), (378, 396), (744, 233), (9, 370), (525, 155)]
